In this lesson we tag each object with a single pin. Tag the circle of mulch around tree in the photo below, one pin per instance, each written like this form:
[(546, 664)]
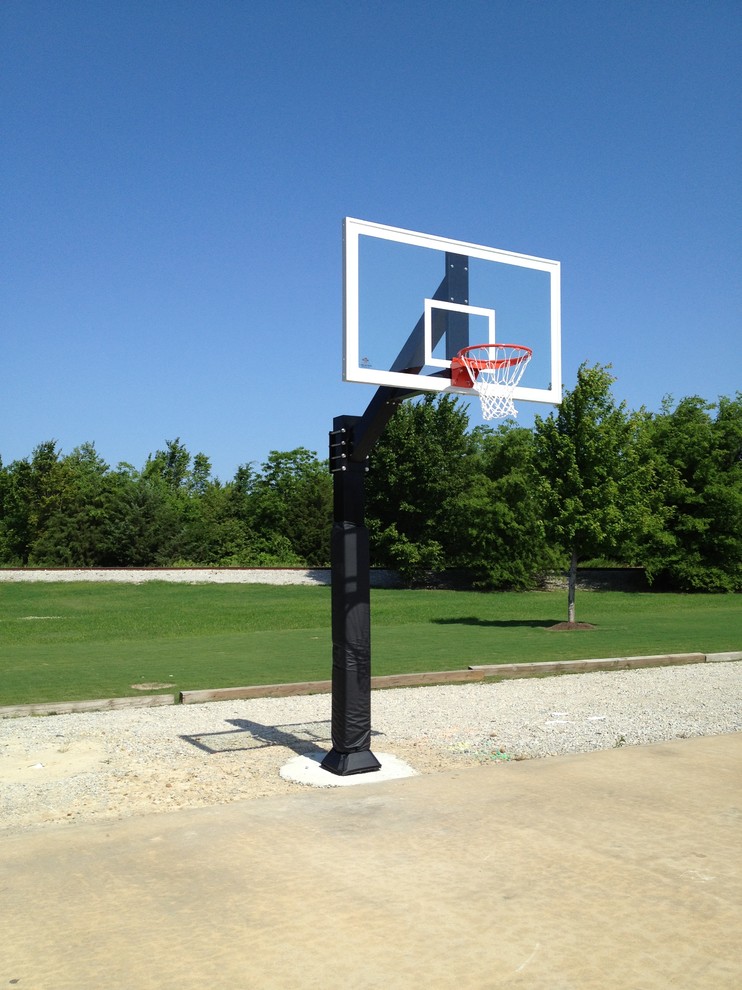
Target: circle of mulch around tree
[(560, 626)]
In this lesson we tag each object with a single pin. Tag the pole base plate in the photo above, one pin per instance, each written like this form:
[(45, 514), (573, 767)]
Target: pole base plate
[(345, 764)]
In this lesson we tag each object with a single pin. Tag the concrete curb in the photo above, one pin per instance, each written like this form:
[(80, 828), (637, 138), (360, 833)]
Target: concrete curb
[(723, 657), (582, 666)]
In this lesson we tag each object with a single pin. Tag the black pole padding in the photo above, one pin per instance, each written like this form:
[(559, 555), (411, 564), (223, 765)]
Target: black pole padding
[(351, 653), (351, 641), (351, 629)]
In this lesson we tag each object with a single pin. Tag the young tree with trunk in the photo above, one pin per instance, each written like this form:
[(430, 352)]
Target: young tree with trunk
[(595, 475)]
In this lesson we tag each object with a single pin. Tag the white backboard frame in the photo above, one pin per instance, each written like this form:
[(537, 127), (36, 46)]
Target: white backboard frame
[(354, 371)]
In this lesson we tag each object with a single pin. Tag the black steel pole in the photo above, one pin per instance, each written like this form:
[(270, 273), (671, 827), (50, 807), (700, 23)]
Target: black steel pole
[(351, 440)]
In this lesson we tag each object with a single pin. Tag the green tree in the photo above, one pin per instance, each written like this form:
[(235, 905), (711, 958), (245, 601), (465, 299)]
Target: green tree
[(174, 485), (180, 471), (501, 537), (596, 475), (419, 470), (93, 517), (291, 500), (156, 523), (171, 465), (72, 510), (698, 446), (228, 537), (27, 494)]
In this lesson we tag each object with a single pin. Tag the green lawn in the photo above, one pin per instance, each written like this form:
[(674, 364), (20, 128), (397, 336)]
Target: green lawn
[(63, 642)]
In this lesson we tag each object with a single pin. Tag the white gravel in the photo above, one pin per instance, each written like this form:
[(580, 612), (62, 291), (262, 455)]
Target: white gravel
[(103, 765)]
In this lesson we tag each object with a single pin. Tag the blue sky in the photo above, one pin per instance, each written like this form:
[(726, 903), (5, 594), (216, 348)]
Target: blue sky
[(175, 173)]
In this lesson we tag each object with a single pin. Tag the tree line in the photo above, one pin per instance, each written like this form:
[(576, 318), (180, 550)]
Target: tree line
[(500, 506)]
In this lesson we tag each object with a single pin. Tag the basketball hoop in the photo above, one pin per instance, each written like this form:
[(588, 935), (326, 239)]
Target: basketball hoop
[(493, 371)]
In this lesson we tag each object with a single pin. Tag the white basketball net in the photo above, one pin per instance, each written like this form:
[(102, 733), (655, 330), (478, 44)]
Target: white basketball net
[(495, 370)]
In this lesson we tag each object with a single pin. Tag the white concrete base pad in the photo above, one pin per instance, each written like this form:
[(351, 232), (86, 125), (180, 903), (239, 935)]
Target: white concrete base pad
[(306, 769)]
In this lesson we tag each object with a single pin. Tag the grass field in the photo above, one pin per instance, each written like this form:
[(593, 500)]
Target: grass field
[(68, 642)]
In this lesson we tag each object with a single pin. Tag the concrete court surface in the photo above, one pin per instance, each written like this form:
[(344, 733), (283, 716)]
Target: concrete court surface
[(617, 869)]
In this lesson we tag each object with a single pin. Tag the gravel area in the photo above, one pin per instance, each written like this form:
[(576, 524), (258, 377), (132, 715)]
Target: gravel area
[(106, 765)]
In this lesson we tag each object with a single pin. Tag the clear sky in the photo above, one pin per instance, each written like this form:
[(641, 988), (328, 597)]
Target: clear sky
[(174, 176)]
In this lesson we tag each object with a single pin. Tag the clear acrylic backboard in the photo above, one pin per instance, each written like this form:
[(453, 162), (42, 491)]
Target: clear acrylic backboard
[(412, 301)]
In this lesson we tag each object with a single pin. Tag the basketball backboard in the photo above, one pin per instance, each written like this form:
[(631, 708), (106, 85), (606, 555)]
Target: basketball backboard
[(412, 301)]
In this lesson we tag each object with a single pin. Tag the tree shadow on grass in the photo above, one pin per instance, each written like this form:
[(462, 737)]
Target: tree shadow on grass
[(472, 620)]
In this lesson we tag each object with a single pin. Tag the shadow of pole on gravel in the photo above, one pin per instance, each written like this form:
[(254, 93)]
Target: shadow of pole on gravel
[(300, 737)]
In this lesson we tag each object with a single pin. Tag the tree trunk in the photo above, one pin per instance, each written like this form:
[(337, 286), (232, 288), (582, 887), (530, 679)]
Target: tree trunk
[(571, 588)]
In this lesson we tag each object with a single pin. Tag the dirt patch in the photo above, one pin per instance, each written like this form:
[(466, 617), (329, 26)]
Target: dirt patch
[(89, 780), (19, 765), (151, 686), (37, 618)]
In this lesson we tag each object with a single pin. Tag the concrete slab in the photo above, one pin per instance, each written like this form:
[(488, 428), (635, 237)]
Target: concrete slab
[(606, 870), (306, 769)]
